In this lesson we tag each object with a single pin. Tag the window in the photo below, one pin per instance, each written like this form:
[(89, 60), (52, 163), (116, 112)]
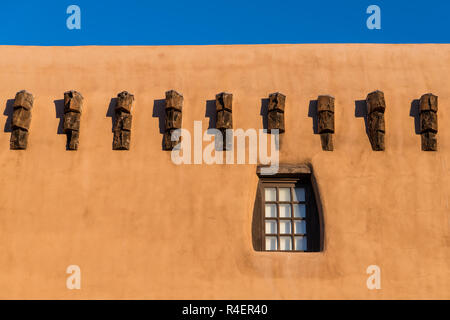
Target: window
[(286, 216)]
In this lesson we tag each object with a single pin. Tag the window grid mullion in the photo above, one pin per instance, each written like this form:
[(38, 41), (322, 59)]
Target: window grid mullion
[(292, 219), (278, 219), (264, 223)]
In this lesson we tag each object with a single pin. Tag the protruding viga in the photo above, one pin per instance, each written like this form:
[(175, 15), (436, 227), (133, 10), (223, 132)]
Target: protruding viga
[(429, 121), (325, 120), (122, 124), (224, 120), (275, 116), (73, 106), (21, 120), (376, 106), (173, 111)]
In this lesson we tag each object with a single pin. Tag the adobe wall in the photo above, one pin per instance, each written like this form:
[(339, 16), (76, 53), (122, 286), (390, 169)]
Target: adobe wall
[(141, 227)]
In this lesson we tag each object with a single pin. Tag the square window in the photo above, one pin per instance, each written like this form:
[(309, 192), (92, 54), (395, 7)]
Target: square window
[(284, 194), (299, 210), (271, 227), (300, 244), (285, 243), (285, 210), (271, 194), (271, 243), (300, 227), (271, 210), (285, 227), (299, 194)]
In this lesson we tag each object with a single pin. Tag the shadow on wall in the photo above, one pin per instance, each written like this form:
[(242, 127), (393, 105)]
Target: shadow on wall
[(9, 109), (59, 110), (415, 113), (111, 113), (361, 112), (211, 114), (159, 112), (312, 113), (264, 112)]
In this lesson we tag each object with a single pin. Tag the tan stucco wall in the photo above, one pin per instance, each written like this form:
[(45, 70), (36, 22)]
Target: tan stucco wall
[(142, 227)]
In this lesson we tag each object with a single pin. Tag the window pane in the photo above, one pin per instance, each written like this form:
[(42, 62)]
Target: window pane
[(271, 227), (299, 194), (300, 244), (285, 243), (299, 211), (300, 227), (284, 194), (285, 227), (285, 210), (271, 210), (271, 194), (271, 243)]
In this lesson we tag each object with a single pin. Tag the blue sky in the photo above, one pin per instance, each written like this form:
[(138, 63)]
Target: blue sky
[(200, 22)]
